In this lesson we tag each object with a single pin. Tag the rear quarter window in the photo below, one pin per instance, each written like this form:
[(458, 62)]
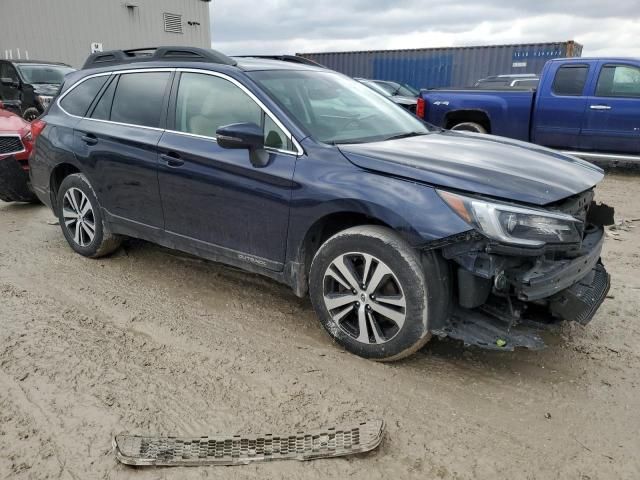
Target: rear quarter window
[(139, 98), (78, 100), (570, 80)]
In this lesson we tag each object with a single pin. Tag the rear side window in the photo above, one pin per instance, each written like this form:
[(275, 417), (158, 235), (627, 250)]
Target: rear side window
[(102, 110), (77, 101), (619, 81), (139, 98), (570, 80)]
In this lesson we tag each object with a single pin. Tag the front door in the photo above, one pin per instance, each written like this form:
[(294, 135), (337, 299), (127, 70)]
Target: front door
[(560, 108), (214, 198), (612, 119)]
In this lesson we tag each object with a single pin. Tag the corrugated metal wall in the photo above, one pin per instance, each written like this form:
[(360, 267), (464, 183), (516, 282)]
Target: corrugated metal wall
[(63, 30), (445, 67)]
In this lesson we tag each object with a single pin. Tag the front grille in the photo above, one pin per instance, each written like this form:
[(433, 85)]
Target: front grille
[(10, 144), (240, 450)]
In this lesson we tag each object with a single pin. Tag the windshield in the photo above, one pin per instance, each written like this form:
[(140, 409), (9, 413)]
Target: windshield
[(36, 73), (335, 109)]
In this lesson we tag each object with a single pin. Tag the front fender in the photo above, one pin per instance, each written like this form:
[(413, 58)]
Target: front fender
[(330, 184)]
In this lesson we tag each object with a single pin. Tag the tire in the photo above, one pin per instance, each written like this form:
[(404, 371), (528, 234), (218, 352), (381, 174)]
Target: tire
[(30, 114), (74, 191), (470, 127), (396, 330)]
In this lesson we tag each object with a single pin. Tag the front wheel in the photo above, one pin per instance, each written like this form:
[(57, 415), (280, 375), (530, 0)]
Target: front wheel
[(369, 289), (81, 219)]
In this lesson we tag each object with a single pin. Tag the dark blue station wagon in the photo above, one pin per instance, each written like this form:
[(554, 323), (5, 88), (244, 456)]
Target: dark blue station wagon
[(396, 229)]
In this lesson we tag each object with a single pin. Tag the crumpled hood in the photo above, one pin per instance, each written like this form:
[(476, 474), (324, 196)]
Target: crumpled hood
[(482, 164)]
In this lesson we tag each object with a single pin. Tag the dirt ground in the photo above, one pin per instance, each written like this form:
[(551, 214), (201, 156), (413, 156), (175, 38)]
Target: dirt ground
[(151, 342)]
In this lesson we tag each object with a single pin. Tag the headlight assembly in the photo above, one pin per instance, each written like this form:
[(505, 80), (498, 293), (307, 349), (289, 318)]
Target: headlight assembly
[(515, 225)]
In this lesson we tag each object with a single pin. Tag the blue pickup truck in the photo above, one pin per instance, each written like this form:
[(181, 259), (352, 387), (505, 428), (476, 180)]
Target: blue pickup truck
[(588, 107)]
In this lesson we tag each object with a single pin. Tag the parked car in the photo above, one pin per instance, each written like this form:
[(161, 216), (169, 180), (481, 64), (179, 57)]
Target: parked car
[(522, 80), (27, 87), (587, 106), (15, 147), (406, 102), (398, 88), (397, 230)]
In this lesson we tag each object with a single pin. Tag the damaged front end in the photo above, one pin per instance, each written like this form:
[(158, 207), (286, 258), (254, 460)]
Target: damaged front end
[(524, 270)]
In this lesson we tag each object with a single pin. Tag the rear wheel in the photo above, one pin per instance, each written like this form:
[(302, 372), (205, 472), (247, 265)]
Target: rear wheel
[(369, 289), (470, 127), (81, 219)]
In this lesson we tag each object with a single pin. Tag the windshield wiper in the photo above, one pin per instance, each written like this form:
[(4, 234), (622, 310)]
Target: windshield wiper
[(405, 135)]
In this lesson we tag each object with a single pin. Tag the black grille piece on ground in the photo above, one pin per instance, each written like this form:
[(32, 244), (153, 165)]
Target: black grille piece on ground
[(241, 450), (10, 144)]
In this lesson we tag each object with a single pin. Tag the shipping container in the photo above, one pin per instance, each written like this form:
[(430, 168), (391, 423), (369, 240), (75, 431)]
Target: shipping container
[(445, 67)]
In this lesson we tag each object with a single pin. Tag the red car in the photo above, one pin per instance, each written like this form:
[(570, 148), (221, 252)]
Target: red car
[(15, 147)]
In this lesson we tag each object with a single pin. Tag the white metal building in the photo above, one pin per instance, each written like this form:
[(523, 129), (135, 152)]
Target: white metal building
[(68, 30)]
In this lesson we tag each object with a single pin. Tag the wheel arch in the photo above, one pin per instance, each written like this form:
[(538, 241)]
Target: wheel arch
[(58, 174), (327, 225), (478, 116)]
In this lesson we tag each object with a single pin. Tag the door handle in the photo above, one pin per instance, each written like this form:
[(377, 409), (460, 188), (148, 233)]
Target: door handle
[(89, 139), (600, 107), (172, 159)]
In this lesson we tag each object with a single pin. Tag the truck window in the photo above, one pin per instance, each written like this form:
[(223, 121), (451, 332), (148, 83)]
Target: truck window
[(570, 80), (619, 81)]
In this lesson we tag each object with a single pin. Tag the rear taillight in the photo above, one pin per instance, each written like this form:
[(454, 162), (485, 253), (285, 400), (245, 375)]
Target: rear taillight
[(37, 126), (421, 108)]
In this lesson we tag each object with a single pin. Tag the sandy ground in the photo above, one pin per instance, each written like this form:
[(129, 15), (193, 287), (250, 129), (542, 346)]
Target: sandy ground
[(148, 341)]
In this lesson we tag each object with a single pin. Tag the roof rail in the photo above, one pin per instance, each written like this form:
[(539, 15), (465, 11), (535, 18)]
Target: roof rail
[(154, 54), (285, 58)]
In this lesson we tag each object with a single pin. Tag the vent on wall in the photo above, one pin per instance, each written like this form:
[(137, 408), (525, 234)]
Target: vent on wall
[(172, 22)]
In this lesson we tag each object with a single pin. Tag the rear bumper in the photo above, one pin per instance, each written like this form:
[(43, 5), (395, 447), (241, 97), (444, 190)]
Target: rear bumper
[(14, 181)]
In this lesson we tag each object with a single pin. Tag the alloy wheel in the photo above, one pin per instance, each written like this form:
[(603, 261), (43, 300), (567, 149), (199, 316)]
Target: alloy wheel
[(364, 297), (79, 219)]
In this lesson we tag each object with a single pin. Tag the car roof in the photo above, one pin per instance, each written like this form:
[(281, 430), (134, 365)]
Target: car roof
[(256, 63), (591, 59)]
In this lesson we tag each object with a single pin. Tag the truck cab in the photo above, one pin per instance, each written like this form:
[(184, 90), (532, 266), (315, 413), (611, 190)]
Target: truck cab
[(590, 105), (587, 106)]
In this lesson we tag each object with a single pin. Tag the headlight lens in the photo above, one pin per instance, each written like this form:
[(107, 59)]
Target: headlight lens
[(515, 225)]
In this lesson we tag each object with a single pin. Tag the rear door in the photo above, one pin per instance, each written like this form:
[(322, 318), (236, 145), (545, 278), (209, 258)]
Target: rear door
[(119, 138), (561, 105), (612, 119), (214, 198)]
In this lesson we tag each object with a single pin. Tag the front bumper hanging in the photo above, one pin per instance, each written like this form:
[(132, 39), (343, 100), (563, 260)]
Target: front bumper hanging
[(537, 298)]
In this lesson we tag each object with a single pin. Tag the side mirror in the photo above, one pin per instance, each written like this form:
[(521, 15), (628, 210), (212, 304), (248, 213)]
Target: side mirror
[(244, 136), (9, 82)]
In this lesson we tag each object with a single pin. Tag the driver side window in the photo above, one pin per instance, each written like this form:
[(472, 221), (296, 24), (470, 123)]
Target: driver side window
[(206, 103)]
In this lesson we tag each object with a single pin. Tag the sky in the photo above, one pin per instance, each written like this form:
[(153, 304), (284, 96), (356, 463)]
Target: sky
[(306, 26)]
